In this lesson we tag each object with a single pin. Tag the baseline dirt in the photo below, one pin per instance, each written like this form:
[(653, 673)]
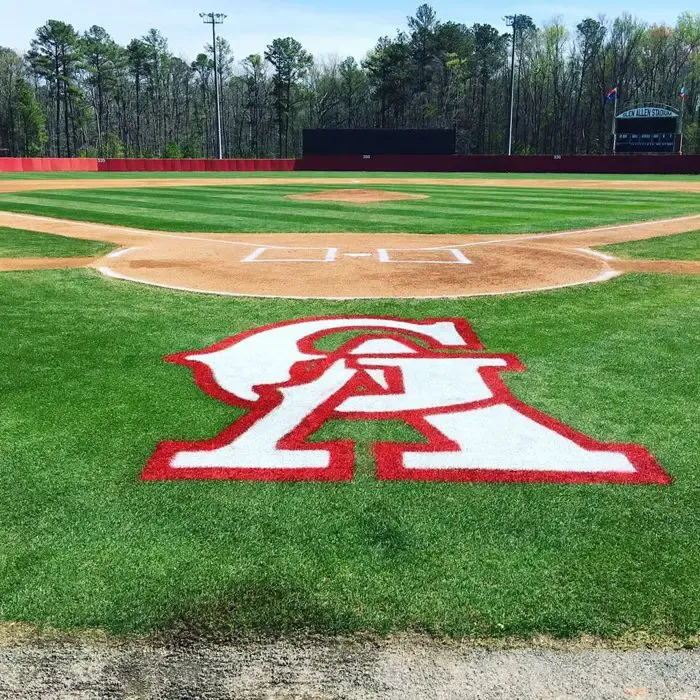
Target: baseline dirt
[(14, 264), (350, 266), (692, 186)]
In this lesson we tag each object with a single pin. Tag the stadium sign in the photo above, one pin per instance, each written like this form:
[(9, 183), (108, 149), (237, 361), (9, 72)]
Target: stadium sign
[(647, 113), (647, 129), (433, 375)]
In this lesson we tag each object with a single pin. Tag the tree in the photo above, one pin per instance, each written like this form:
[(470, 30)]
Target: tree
[(255, 81), (55, 56), (291, 63), (352, 81), (137, 59), (32, 122), (423, 48), (102, 57), (203, 66), (389, 69), (87, 94)]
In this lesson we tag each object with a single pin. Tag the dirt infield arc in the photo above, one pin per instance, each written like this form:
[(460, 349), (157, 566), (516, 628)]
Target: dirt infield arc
[(353, 266)]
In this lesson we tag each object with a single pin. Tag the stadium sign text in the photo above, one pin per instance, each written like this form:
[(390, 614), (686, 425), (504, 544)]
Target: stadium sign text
[(646, 113), (432, 374)]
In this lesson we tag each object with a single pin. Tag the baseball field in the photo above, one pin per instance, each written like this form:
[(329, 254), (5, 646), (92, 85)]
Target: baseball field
[(585, 290)]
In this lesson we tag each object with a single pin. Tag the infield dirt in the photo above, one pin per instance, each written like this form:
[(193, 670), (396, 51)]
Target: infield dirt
[(341, 266)]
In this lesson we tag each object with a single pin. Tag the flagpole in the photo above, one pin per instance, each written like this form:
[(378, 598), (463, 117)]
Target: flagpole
[(614, 124), (680, 144)]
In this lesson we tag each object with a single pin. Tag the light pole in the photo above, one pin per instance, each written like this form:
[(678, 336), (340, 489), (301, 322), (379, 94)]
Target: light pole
[(511, 21), (215, 18)]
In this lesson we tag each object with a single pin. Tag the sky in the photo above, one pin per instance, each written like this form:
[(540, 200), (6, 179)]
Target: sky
[(324, 27)]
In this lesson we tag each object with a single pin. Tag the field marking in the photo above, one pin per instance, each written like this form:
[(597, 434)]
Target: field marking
[(459, 257), (602, 277), (596, 253), (330, 255), (121, 251)]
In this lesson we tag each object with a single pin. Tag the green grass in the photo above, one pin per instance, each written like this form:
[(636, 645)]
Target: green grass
[(264, 209), (681, 246), (342, 175), (86, 397), (16, 243)]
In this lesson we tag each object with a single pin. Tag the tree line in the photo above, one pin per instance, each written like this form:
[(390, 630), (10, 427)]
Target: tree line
[(82, 94)]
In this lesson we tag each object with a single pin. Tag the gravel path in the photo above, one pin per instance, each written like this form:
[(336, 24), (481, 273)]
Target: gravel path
[(386, 670)]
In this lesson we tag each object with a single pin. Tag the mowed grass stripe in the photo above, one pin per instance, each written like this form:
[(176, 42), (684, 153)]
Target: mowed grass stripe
[(505, 197), (266, 209), (239, 206), (274, 219), (195, 200)]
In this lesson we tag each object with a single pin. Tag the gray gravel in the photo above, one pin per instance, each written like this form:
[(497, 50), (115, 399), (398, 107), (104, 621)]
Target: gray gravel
[(319, 670)]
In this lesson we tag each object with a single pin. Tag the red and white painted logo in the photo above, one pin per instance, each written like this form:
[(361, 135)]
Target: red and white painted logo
[(433, 374)]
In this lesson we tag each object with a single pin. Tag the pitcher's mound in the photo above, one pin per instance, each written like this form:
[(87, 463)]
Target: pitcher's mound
[(356, 196)]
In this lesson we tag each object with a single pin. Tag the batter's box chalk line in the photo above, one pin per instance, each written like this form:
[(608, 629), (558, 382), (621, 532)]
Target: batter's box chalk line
[(451, 256)]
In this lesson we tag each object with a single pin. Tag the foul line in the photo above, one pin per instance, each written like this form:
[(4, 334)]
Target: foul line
[(121, 251), (596, 253)]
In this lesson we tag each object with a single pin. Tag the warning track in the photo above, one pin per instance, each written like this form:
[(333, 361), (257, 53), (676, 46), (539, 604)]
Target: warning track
[(691, 186), (355, 266)]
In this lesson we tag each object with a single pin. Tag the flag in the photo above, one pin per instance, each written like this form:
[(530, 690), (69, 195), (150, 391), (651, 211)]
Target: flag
[(612, 95), (682, 92)]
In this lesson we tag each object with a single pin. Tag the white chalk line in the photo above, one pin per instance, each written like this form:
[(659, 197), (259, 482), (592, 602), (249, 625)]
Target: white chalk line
[(596, 253), (121, 251), (602, 277)]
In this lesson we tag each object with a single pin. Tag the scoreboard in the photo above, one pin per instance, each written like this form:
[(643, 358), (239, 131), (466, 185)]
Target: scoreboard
[(646, 130), (375, 142)]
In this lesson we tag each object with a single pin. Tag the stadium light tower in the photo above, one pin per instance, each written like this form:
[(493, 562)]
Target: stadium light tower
[(511, 21), (215, 18)]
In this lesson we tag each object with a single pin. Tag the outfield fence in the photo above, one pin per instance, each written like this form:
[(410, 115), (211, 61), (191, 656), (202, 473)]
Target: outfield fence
[(196, 164), (49, 165), (620, 164)]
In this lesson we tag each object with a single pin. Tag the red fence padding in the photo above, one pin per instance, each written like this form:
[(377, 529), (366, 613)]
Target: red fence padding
[(34, 165), (640, 164), (196, 164)]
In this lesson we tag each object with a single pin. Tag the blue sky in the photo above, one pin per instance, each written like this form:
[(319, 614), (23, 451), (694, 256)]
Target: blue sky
[(329, 27)]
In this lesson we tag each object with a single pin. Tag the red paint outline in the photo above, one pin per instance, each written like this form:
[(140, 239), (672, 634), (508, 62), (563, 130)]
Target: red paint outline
[(388, 455)]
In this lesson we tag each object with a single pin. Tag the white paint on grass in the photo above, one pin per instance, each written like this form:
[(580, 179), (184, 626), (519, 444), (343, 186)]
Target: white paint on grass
[(446, 391)]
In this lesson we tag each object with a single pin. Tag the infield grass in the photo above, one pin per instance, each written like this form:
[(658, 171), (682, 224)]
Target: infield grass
[(16, 243), (86, 397), (254, 208), (681, 246)]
